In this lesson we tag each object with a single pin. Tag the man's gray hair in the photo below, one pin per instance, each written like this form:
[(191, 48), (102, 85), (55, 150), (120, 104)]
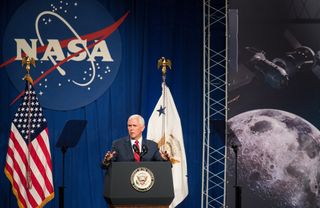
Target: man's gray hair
[(137, 116)]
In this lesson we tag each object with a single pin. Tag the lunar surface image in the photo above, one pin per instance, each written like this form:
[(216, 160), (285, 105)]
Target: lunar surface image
[(278, 158)]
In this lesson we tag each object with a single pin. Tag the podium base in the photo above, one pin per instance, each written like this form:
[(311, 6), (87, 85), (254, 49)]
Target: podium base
[(138, 206)]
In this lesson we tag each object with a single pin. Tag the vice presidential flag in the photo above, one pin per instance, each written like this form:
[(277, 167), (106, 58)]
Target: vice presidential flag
[(164, 127), (28, 162)]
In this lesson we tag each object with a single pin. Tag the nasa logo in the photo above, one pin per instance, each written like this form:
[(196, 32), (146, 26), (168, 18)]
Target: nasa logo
[(76, 46)]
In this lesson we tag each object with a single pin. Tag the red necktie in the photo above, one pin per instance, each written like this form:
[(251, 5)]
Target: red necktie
[(136, 153)]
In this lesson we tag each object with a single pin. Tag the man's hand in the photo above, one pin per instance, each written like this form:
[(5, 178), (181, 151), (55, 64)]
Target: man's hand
[(108, 156), (165, 155)]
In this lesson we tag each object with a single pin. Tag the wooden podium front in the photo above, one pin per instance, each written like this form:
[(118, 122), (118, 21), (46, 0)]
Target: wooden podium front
[(139, 184)]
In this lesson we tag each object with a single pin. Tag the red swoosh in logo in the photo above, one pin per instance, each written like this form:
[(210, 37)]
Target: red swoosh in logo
[(100, 35)]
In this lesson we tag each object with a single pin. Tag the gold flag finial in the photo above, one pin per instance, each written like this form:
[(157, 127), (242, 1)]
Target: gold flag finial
[(164, 63), (28, 61)]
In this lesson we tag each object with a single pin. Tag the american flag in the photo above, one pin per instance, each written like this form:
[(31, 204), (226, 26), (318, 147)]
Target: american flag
[(28, 162)]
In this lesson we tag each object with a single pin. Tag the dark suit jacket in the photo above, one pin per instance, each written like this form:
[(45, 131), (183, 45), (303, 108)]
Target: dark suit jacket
[(124, 150)]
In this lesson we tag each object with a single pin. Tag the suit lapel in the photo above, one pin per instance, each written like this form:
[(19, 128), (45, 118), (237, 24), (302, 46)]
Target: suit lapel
[(129, 149)]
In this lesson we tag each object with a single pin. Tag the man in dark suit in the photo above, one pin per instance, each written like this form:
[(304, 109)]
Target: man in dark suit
[(133, 147)]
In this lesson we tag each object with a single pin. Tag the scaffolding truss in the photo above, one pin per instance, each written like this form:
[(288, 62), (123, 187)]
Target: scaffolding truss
[(214, 102)]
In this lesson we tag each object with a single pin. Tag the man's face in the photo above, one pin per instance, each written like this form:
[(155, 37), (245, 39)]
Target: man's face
[(135, 129)]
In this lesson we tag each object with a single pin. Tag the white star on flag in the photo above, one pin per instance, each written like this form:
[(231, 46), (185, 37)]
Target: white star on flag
[(28, 162), (164, 127)]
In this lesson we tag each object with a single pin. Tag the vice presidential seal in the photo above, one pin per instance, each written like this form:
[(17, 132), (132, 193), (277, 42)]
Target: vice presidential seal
[(142, 179)]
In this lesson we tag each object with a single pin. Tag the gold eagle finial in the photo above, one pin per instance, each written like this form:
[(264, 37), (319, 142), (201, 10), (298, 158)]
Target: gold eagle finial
[(164, 63), (28, 61)]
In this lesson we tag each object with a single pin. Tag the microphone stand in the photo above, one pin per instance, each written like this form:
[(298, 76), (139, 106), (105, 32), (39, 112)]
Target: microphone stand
[(234, 142), (61, 188), (236, 186)]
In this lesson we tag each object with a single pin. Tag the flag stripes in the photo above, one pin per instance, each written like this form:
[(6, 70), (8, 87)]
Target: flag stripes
[(29, 154)]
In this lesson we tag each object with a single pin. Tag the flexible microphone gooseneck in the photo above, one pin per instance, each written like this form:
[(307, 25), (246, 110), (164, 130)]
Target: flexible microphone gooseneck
[(135, 149), (144, 150)]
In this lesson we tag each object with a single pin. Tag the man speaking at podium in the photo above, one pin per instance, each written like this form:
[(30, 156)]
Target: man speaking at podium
[(133, 147)]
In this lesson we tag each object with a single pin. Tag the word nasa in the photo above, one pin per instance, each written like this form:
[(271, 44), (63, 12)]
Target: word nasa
[(54, 49)]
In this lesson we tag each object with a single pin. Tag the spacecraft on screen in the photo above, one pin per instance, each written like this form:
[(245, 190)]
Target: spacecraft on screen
[(277, 71)]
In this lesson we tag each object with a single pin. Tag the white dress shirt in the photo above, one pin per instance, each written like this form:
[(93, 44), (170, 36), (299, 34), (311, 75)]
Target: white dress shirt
[(140, 143)]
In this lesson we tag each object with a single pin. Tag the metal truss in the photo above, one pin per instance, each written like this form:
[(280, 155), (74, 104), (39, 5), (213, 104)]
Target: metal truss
[(214, 102)]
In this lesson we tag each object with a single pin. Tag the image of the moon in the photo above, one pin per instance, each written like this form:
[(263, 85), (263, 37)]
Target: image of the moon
[(278, 159)]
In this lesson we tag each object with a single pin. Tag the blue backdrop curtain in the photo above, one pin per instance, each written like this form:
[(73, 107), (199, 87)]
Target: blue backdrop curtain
[(170, 28)]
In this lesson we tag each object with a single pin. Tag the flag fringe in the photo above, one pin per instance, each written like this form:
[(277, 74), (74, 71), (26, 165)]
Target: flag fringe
[(15, 193)]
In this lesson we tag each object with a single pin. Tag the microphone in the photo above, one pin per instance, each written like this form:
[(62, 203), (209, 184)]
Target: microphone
[(233, 140), (144, 150), (135, 149)]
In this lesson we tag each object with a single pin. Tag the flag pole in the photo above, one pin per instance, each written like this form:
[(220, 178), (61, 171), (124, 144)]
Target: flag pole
[(28, 61), (164, 63)]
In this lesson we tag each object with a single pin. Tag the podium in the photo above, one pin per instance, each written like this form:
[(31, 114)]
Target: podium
[(139, 184)]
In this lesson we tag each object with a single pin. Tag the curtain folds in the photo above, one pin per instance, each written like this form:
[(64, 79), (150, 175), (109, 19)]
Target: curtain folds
[(170, 28)]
